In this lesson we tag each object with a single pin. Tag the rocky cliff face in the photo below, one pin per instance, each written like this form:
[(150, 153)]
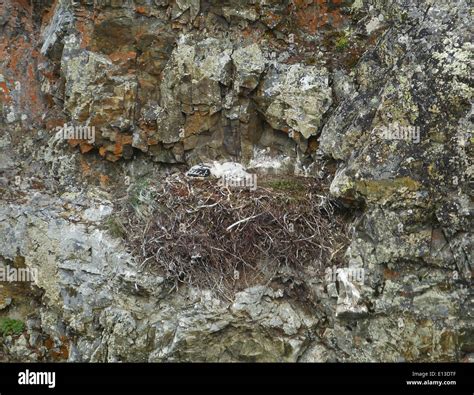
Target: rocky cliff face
[(370, 99)]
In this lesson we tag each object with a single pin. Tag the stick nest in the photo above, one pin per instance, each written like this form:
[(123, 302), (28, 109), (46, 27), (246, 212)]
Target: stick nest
[(196, 232)]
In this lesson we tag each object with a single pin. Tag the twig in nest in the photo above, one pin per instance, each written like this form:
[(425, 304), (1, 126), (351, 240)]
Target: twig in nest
[(242, 221)]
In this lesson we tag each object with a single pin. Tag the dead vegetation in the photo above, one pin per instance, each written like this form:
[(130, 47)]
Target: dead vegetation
[(199, 233)]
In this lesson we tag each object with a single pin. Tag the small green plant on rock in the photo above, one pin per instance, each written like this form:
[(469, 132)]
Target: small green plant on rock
[(138, 192), (342, 43), (287, 185), (115, 227), (10, 326)]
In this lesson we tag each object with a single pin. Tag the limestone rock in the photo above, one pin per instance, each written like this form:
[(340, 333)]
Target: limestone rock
[(295, 98)]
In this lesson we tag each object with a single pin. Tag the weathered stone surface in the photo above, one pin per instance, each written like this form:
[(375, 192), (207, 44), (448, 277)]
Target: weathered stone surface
[(295, 98), (249, 63), (86, 274), (403, 181), (281, 89)]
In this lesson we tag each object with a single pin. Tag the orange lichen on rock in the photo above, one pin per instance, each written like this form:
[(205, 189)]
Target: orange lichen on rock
[(49, 13), (141, 10), (53, 123), (120, 141), (85, 30), (104, 180), (4, 93), (197, 123), (390, 274), (57, 353), (85, 167), (85, 147), (122, 56), (152, 141), (18, 48), (73, 142), (312, 15)]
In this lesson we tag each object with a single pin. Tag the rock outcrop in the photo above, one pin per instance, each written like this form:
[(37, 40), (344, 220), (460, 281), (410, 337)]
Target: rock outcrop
[(372, 97)]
